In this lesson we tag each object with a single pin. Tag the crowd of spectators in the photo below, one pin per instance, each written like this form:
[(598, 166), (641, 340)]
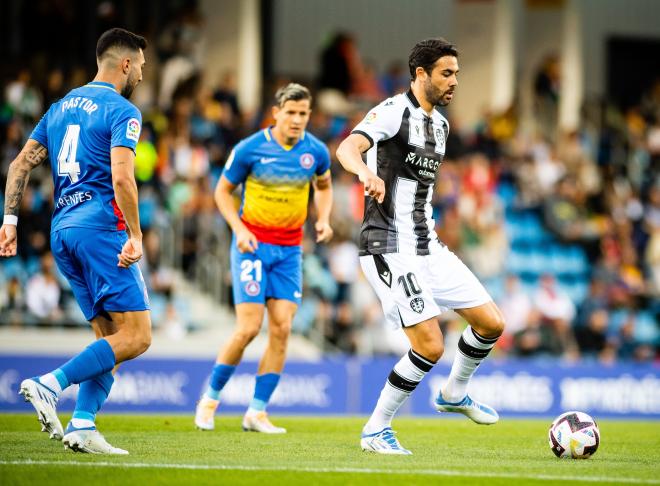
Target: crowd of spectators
[(597, 188)]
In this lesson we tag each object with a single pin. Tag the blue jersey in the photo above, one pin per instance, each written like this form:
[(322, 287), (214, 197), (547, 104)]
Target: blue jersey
[(79, 131), (276, 183)]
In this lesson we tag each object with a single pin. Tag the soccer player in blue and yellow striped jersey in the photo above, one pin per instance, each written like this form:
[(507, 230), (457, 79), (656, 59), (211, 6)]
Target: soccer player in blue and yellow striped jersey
[(275, 167)]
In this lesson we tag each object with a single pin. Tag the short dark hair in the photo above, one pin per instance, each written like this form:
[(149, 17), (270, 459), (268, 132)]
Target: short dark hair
[(121, 38), (292, 92), (427, 52)]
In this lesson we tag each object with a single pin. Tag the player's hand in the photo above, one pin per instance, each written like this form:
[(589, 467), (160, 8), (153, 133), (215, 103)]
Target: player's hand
[(246, 241), (323, 231), (130, 253), (8, 240), (373, 185)]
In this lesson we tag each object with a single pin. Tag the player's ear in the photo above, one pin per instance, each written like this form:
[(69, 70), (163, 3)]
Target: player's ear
[(419, 71), (126, 65), (275, 111)]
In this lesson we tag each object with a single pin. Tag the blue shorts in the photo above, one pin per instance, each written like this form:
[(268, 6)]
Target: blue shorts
[(87, 257), (272, 272)]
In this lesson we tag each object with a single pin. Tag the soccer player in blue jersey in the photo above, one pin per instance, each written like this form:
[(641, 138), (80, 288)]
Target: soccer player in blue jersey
[(91, 135), (275, 167)]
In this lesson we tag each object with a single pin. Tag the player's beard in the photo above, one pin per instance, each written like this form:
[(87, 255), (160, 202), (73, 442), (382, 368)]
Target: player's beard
[(434, 95), (128, 88)]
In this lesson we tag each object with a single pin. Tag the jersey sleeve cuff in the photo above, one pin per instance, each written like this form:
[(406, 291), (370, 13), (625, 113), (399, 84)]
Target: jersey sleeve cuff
[(36, 139), (124, 145), (231, 179), (365, 135)]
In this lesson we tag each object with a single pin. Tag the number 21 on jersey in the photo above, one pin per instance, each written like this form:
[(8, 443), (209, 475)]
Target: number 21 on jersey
[(67, 165)]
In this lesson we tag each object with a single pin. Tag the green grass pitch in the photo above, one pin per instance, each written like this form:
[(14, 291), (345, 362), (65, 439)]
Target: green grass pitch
[(325, 451)]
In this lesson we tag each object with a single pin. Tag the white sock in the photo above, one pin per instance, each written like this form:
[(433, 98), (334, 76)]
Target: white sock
[(82, 423), (472, 350), (51, 382), (403, 379)]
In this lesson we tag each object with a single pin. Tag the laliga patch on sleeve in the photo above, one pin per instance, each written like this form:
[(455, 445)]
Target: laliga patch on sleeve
[(133, 129)]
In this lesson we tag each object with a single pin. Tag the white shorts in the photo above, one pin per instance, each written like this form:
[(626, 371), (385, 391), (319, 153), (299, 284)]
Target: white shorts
[(415, 288)]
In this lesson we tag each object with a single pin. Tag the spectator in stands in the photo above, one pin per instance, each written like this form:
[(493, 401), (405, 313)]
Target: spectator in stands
[(24, 99), (344, 263), (629, 346), (557, 312), (12, 303), (536, 339), (565, 214), (595, 300), (652, 228), (517, 308), (13, 143), (546, 94), (34, 230), (43, 293), (482, 220), (341, 68), (395, 79), (592, 338)]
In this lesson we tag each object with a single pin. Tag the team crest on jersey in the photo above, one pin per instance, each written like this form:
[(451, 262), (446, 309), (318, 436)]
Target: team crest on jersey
[(306, 160), (440, 141), (133, 129), (417, 304), (252, 288), (370, 117)]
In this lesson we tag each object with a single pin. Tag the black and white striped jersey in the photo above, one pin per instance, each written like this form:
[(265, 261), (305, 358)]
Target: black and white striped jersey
[(407, 147)]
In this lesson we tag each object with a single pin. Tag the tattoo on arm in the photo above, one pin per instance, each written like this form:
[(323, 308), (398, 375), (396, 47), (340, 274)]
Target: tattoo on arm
[(35, 154), (30, 157)]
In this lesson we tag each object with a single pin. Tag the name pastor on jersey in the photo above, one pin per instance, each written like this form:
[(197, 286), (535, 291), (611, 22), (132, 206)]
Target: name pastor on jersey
[(424, 163), (85, 104), (73, 199)]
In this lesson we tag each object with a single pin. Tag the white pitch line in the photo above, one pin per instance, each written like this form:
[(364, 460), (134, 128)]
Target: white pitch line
[(423, 472)]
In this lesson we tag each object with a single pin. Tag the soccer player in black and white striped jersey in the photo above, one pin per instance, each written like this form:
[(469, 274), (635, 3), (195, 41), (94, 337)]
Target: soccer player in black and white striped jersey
[(415, 276)]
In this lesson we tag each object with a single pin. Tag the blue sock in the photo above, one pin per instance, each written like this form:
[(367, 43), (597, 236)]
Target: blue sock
[(96, 359), (264, 387), (92, 395), (219, 377)]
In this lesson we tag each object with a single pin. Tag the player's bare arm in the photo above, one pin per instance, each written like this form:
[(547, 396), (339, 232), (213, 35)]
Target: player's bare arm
[(32, 155), (126, 194), (349, 154), (224, 199), (323, 202)]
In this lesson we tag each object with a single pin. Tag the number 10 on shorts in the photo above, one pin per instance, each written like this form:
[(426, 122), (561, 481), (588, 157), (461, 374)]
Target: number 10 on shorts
[(409, 284)]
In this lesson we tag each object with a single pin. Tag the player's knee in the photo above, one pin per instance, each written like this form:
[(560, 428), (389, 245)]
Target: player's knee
[(280, 331), (495, 325), (144, 342), (244, 336), (434, 350), (140, 343)]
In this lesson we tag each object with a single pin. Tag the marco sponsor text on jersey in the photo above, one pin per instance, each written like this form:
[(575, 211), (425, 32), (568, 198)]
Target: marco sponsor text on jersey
[(424, 163)]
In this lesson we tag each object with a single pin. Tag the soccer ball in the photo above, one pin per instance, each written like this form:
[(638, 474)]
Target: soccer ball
[(574, 434)]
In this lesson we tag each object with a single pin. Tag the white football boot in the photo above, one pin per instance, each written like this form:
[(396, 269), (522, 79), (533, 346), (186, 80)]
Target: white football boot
[(478, 412), (44, 401), (88, 440), (383, 442), (258, 422), (205, 413)]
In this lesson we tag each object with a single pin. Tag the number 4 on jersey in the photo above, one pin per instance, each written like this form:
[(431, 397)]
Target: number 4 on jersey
[(66, 159)]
